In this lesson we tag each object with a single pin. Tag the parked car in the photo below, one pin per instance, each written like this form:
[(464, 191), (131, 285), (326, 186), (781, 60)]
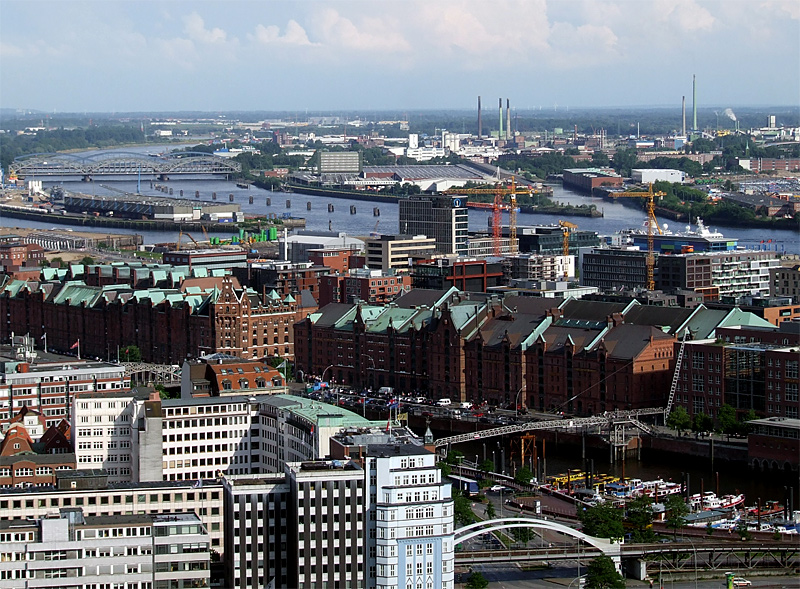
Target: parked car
[(498, 488), (741, 582)]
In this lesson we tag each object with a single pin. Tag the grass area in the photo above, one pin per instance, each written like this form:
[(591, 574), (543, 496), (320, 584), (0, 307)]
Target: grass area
[(149, 256)]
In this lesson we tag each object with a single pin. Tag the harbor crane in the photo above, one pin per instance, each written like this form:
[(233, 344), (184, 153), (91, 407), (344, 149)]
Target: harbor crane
[(497, 206), (180, 237), (652, 225)]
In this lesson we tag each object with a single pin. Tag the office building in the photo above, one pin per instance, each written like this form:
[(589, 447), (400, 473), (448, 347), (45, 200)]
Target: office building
[(785, 282), (444, 218), (71, 549), (333, 162), (398, 252)]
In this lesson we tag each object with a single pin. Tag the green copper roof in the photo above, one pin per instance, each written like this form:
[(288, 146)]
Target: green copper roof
[(325, 415)]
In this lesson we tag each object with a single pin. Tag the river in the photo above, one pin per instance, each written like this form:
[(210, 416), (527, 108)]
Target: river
[(616, 217)]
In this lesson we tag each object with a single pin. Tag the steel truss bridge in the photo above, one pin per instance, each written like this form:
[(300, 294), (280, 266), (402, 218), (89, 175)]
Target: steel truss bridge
[(122, 163), (610, 421), (143, 373)]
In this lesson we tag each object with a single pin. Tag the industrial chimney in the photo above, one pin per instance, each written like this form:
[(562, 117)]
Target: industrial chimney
[(508, 118), (500, 133), (480, 126), (683, 111), (694, 102)]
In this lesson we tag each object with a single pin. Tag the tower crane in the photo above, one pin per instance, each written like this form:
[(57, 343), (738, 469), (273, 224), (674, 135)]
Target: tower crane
[(499, 191), (652, 225), (566, 229)]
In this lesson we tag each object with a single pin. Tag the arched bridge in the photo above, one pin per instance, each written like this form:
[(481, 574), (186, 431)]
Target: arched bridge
[(611, 549), (122, 163), (143, 373)]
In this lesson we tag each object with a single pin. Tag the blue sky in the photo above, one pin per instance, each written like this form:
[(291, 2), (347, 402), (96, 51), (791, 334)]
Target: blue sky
[(172, 55)]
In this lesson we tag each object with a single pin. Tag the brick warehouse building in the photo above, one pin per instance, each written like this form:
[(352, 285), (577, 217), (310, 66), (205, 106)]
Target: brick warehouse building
[(578, 356), (168, 325)]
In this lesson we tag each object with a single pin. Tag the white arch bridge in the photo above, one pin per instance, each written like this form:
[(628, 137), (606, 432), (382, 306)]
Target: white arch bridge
[(118, 163), (608, 547)]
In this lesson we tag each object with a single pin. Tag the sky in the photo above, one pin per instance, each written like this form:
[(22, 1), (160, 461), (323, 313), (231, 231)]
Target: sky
[(331, 56)]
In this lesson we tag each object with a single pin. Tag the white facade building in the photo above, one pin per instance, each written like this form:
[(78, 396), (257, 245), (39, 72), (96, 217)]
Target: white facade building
[(649, 175)]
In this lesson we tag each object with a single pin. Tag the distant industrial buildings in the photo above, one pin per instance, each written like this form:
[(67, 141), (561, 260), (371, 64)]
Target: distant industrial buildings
[(132, 206)]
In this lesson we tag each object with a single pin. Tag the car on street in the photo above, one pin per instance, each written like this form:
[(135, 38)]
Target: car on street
[(498, 488), (741, 582)]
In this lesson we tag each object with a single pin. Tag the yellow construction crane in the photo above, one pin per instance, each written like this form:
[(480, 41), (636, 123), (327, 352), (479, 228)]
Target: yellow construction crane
[(652, 225), (205, 234), (498, 191), (566, 229), (180, 237)]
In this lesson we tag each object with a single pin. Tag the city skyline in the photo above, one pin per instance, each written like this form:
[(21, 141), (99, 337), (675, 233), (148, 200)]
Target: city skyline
[(212, 56)]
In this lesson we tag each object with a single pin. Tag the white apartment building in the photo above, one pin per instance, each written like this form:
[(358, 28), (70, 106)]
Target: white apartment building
[(410, 518), (541, 266), (123, 552), (48, 383), (89, 491), (396, 252)]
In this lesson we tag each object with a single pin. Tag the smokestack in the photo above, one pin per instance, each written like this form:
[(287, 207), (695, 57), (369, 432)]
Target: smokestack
[(694, 102), (480, 124), (500, 133), (508, 119), (575, 135), (683, 111)]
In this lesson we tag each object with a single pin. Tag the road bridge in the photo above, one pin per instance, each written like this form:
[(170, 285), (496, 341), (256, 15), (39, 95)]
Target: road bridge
[(144, 373), (119, 163)]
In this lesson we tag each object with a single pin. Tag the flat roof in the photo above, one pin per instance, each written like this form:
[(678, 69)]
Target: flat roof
[(784, 422)]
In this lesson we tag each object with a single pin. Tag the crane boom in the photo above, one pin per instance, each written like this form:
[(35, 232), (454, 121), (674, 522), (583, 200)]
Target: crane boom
[(652, 225)]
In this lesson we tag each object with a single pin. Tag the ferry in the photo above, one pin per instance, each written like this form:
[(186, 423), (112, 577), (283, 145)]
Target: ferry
[(709, 500)]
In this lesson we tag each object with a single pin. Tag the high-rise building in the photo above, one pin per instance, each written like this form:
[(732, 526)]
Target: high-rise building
[(445, 218)]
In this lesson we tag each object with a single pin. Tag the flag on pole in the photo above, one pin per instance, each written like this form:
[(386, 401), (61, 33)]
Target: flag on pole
[(75, 345), (198, 484), (389, 425)]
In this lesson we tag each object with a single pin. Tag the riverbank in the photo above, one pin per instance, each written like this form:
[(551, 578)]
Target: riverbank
[(145, 224)]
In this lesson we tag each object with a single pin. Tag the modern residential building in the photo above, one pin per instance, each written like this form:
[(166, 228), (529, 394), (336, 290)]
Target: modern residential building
[(332, 162), (398, 252), (363, 284), (785, 282), (444, 218), (541, 266), (613, 268), (465, 274), (74, 550), (749, 366), (549, 240)]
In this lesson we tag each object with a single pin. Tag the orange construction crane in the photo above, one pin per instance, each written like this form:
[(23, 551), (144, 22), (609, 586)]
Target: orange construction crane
[(652, 226), (498, 191), (180, 237)]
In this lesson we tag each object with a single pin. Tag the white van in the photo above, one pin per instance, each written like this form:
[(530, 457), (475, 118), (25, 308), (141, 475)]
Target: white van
[(466, 405), (443, 402)]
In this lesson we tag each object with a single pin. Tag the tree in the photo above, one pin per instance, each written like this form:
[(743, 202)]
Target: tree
[(726, 419), (522, 535), (476, 581), (486, 467), (679, 419), (602, 574), (130, 354), (702, 422), (523, 476), (602, 521), (676, 512), (462, 509), (490, 511), (454, 457), (87, 260), (445, 468), (57, 263), (640, 518), (624, 160)]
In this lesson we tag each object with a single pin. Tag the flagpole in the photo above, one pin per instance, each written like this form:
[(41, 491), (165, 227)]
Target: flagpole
[(79, 348)]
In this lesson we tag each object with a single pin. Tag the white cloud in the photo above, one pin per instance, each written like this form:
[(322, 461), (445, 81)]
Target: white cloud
[(8, 50), (294, 35), (195, 28), (790, 7), (687, 15), (370, 34)]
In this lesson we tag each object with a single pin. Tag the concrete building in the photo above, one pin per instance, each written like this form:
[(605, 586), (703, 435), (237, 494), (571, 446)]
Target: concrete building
[(549, 240), (208, 258), (463, 273), (299, 244), (444, 218), (651, 175), (613, 268), (541, 267), (334, 162), (74, 550), (785, 282), (587, 179), (397, 252)]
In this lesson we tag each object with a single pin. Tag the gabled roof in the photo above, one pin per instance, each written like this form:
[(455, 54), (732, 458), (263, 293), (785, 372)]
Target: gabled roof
[(424, 297), (556, 337), (591, 310), (332, 314), (626, 341), (668, 319)]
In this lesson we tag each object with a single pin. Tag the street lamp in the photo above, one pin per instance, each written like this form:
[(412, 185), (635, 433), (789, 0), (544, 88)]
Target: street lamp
[(695, 560), (372, 360), (516, 401), (322, 378)]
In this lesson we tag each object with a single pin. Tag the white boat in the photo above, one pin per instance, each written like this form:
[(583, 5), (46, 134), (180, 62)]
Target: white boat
[(709, 500)]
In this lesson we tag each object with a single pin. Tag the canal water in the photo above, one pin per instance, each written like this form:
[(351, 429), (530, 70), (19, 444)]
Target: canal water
[(733, 477)]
